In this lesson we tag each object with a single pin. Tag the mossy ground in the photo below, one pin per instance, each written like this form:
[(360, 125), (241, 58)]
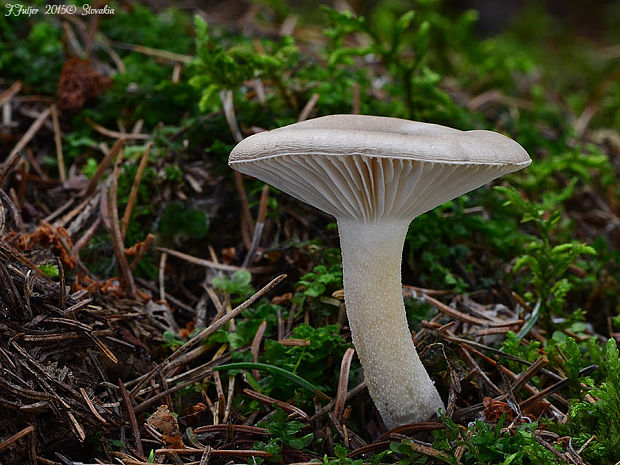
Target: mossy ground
[(115, 133)]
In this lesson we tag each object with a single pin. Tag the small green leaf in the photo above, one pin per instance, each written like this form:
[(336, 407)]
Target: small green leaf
[(49, 269)]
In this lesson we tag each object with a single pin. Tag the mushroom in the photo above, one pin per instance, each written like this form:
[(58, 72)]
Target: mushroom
[(375, 175)]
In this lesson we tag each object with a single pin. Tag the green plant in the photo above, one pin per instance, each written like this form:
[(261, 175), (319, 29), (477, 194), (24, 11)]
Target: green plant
[(144, 90), (340, 453), (183, 222), (583, 163), (317, 360), (90, 167), (246, 327), (401, 43), (164, 30), (434, 242), (513, 345), (492, 444), (548, 264), (536, 81), (219, 67), (173, 173), (314, 289), (284, 433), (320, 279), (49, 269), (278, 372), (238, 285), (32, 54), (444, 246), (172, 341), (601, 418)]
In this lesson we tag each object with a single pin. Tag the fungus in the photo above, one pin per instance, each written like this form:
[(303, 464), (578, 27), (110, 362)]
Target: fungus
[(375, 175)]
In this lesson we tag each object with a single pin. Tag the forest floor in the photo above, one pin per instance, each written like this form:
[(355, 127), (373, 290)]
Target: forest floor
[(157, 307)]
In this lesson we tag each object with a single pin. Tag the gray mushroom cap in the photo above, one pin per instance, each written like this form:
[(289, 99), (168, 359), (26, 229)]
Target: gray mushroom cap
[(372, 168)]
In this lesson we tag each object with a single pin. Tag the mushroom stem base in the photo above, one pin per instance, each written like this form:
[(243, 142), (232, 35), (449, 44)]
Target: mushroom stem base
[(397, 381)]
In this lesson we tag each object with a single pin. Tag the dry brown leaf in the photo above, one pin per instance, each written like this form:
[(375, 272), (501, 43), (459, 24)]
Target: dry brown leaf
[(78, 82), (494, 409), (164, 421)]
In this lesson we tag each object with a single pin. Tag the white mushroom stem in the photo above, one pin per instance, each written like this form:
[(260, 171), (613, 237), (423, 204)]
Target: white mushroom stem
[(396, 379)]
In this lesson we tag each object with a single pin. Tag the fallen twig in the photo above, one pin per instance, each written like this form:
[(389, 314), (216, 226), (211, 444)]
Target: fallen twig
[(211, 264), (446, 309), (555, 387), (9, 93), (103, 165), (260, 225), (125, 274), (62, 172), (133, 194), (226, 452), (91, 406), (258, 337), (16, 437), (308, 107), (13, 158), (146, 244), (116, 134), (162, 276), (231, 427), (281, 404), (154, 52), (343, 383), (131, 415), (208, 331)]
